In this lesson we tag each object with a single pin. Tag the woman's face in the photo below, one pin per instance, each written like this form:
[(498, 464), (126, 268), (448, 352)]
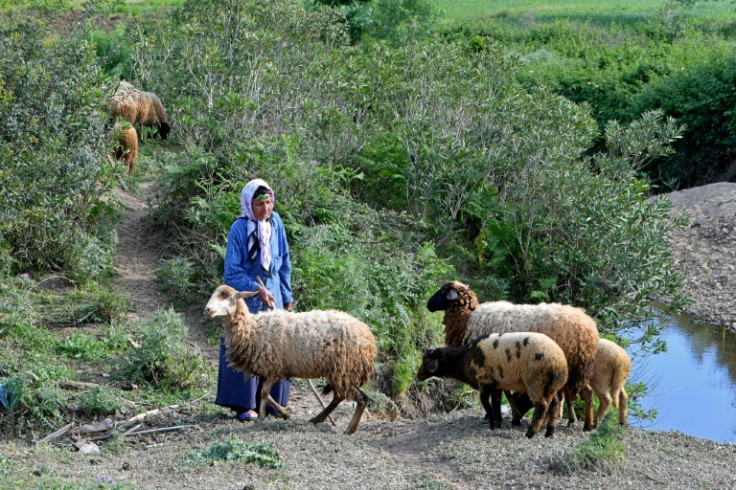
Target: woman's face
[(261, 208)]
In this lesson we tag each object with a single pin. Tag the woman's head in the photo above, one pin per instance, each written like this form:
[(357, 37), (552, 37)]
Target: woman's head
[(262, 203), (256, 200)]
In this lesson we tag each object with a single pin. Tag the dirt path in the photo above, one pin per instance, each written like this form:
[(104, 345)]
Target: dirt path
[(455, 450)]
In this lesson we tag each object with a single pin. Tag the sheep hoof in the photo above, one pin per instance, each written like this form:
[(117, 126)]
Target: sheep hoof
[(588, 428), (550, 432), (515, 422), (530, 433)]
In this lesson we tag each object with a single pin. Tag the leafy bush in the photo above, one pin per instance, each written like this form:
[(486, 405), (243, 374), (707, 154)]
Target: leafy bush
[(52, 215), (99, 400), (163, 359)]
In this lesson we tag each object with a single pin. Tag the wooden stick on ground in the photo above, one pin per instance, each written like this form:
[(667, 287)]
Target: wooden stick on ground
[(311, 385), (56, 434)]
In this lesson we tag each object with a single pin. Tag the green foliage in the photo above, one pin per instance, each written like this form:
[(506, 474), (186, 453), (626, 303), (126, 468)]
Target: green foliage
[(636, 392), (52, 215), (235, 450), (398, 21), (623, 69), (81, 346), (175, 276), (164, 359), (31, 399), (99, 400), (584, 233), (603, 452)]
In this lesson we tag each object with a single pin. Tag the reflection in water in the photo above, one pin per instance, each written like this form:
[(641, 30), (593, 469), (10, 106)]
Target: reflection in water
[(692, 385)]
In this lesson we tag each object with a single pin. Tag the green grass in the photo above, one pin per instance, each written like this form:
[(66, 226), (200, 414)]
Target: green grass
[(620, 11)]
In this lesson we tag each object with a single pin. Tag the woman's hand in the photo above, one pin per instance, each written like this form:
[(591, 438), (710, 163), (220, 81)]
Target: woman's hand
[(266, 296)]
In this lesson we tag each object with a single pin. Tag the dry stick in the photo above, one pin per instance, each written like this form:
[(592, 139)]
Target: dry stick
[(141, 416), (311, 385), (161, 429), (76, 384), (56, 434)]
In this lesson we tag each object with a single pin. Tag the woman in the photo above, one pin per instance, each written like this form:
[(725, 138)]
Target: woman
[(256, 247)]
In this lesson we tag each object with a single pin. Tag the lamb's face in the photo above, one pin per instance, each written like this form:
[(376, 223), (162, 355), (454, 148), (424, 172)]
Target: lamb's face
[(223, 302), (430, 364), (445, 297)]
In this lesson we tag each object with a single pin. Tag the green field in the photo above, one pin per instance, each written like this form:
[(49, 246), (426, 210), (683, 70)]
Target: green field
[(621, 11)]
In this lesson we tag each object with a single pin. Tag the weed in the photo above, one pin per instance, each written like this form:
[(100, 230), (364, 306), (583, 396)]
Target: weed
[(100, 400), (235, 450), (603, 451)]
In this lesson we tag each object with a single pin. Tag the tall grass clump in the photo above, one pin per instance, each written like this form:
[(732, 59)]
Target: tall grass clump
[(604, 451), (164, 360)]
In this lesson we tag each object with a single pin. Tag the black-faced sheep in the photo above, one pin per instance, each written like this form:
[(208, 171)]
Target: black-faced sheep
[(573, 330), (524, 362), (138, 107), (611, 369), (127, 149), (314, 344)]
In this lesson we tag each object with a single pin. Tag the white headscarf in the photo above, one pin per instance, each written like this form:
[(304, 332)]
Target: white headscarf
[(259, 232)]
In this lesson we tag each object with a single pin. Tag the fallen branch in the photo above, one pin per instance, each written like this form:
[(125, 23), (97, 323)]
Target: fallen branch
[(56, 434), (141, 416), (161, 429), (76, 384)]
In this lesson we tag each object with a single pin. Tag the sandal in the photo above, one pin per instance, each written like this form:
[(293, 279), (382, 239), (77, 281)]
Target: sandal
[(246, 416)]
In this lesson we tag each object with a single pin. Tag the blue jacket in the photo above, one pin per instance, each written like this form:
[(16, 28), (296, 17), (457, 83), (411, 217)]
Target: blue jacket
[(241, 273)]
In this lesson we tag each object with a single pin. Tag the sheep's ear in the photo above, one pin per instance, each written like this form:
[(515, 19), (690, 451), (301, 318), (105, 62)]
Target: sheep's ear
[(245, 294), (452, 295)]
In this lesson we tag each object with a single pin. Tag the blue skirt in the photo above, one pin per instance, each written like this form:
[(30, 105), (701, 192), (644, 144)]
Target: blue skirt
[(240, 394)]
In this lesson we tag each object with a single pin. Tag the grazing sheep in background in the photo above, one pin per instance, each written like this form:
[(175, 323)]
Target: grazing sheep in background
[(611, 369), (573, 330), (138, 107), (279, 344), (127, 149), (525, 362)]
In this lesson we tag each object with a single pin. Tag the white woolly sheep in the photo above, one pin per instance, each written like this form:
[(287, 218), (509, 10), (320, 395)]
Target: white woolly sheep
[(525, 362), (279, 344), (611, 369), (127, 149), (138, 107), (573, 330)]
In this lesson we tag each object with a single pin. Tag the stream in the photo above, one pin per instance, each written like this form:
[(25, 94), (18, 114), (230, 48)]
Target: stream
[(692, 385)]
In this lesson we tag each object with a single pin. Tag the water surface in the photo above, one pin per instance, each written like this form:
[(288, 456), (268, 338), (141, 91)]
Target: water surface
[(692, 385)]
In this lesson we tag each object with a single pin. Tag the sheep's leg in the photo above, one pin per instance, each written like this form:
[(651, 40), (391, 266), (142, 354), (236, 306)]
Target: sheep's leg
[(265, 395), (515, 413), (540, 412), (523, 405), (281, 410), (553, 413), (623, 406), (361, 402), (493, 409), (587, 395), (320, 417), (572, 417)]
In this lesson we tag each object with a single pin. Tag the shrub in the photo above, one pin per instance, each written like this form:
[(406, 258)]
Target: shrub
[(99, 400), (55, 146), (163, 359)]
